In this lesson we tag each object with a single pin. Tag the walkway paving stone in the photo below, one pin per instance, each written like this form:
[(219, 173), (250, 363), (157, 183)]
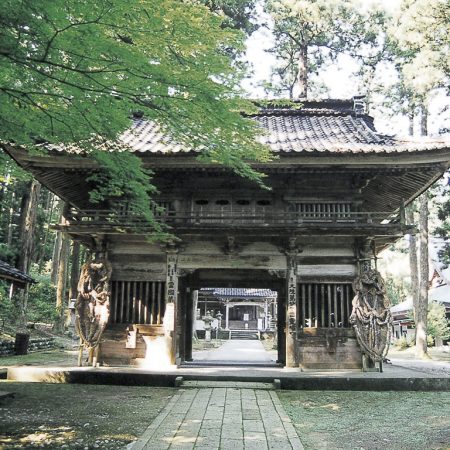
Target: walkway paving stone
[(237, 351), (219, 418)]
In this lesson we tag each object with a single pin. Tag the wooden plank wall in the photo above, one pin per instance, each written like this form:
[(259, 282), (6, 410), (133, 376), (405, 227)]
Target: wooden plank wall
[(140, 302), (324, 305)]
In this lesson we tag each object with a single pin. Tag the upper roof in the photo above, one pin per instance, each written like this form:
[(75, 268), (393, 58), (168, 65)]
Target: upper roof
[(327, 126), (11, 273)]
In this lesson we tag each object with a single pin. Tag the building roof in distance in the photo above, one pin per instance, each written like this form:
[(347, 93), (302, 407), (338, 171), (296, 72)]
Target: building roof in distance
[(11, 273), (238, 292), (435, 246)]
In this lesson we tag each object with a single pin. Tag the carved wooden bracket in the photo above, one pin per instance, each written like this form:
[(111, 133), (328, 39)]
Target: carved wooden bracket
[(185, 272), (277, 273), (293, 248), (231, 248), (173, 247)]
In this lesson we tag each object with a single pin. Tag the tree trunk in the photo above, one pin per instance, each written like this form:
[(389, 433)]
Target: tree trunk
[(43, 256), (302, 73), (27, 228), (413, 267), (424, 120), (422, 304), (74, 270), (411, 123), (62, 277), (56, 251), (9, 235), (61, 284), (55, 257)]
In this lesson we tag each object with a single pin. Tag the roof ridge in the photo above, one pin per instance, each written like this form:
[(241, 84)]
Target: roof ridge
[(325, 107)]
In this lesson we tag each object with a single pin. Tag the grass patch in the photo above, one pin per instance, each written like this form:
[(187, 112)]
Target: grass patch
[(77, 416), (370, 420), (201, 345), (57, 357)]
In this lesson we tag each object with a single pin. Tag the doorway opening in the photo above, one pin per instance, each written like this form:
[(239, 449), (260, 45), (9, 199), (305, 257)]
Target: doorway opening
[(235, 326), (232, 317)]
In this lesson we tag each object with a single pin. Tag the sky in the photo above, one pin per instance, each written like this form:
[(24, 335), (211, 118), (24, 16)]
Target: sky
[(337, 79)]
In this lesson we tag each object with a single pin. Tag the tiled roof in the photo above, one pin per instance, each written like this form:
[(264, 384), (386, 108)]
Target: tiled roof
[(10, 272), (402, 307), (333, 126), (440, 294), (238, 292)]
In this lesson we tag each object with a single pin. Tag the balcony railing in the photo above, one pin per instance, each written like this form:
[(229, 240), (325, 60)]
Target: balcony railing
[(108, 218)]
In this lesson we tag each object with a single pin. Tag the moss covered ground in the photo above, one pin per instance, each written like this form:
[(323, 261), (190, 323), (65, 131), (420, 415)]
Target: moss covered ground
[(57, 416), (370, 420)]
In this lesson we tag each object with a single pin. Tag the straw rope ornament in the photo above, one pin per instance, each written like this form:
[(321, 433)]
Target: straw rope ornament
[(371, 316), (92, 304)]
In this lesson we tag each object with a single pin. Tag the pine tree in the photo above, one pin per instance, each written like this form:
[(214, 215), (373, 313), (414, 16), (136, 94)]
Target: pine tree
[(309, 34)]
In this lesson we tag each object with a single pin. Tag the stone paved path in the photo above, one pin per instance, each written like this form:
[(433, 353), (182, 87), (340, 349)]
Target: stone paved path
[(221, 418), (236, 350)]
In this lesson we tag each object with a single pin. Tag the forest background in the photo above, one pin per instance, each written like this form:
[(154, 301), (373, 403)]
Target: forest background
[(201, 61)]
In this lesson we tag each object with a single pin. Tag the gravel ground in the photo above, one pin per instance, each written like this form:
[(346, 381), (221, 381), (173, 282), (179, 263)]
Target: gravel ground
[(438, 364)]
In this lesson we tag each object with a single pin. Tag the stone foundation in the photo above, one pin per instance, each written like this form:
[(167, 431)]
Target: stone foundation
[(7, 347), (328, 349)]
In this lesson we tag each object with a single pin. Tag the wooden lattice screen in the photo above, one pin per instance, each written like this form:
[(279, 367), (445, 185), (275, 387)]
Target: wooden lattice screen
[(310, 210), (137, 302), (324, 305)]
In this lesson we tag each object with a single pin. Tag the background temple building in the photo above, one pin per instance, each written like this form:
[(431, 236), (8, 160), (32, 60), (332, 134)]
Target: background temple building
[(438, 291), (240, 313), (338, 191)]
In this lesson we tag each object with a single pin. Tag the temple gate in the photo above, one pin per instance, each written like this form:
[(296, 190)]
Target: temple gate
[(337, 198)]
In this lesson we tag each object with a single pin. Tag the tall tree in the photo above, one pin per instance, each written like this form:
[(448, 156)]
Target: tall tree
[(443, 229), (56, 247), (27, 231), (413, 261), (419, 40), (14, 186), (422, 303), (310, 33), (421, 30), (62, 275), (74, 269), (61, 285)]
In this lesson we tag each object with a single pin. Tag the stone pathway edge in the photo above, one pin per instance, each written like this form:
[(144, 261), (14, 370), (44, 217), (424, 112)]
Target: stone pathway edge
[(145, 440), (159, 419)]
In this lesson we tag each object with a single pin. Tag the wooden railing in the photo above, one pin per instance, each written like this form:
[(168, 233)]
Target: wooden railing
[(105, 218)]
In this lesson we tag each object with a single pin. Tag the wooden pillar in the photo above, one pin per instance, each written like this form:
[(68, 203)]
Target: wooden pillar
[(266, 315), (291, 309), (182, 323), (189, 324), (170, 316), (227, 316), (281, 320)]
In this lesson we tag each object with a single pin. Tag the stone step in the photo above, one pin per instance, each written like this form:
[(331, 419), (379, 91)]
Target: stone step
[(244, 335), (192, 384)]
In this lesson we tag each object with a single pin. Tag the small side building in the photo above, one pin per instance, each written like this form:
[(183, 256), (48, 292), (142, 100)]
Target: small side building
[(15, 277), (439, 291)]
